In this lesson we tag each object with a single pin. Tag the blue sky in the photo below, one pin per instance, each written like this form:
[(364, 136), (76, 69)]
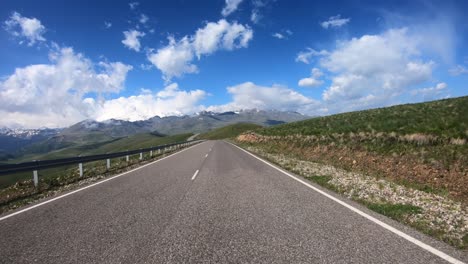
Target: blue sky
[(65, 61)]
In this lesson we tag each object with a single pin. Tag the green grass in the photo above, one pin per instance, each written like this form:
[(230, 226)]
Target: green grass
[(229, 131), (323, 180), (394, 211), (444, 118)]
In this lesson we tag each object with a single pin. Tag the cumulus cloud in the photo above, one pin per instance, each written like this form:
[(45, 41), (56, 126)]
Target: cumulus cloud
[(305, 56), (132, 40), (30, 29), (382, 65), (248, 95), (231, 6), (219, 36), (169, 101), (313, 80), (175, 59), (51, 94), (335, 22)]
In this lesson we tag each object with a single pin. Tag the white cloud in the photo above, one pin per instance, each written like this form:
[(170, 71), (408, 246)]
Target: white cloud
[(309, 82), (231, 6), (458, 70), (382, 65), (335, 21), (249, 95), (169, 101), (143, 19), (283, 34), (431, 93), (107, 24), (278, 35), (51, 94), (22, 27), (305, 56), (175, 59), (313, 80), (133, 5), (132, 40)]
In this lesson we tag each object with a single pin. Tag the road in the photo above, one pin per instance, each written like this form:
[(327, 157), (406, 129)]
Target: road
[(210, 203)]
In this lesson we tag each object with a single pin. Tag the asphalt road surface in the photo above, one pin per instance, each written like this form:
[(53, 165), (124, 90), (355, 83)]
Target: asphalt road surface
[(210, 203)]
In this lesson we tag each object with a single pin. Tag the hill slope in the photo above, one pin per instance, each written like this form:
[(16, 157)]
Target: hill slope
[(229, 131), (144, 140), (422, 144), (445, 118)]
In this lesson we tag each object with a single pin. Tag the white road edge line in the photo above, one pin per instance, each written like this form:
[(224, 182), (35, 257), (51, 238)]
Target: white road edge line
[(89, 186), (371, 218), (195, 175)]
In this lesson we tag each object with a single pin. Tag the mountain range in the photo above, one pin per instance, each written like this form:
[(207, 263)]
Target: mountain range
[(15, 142)]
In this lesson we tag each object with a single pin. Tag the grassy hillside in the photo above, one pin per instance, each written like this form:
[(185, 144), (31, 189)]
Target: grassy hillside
[(137, 141), (445, 118), (422, 144), (229, 131)]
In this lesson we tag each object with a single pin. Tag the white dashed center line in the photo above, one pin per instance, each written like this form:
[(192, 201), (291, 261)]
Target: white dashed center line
[(195, 175)]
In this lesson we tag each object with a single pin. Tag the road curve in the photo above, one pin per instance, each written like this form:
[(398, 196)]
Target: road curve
[(210, 203)]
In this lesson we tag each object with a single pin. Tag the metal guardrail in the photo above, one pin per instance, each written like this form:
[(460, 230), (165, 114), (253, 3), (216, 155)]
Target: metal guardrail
[(46, 164)]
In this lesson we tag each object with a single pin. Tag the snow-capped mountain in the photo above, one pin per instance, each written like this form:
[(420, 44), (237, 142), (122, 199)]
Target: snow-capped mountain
[(12, 140), (25, 133)]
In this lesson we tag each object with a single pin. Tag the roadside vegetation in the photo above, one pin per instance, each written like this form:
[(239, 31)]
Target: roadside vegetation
[(408, 162)]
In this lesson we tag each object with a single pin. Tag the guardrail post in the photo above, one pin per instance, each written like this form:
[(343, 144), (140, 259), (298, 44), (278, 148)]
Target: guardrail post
[(151, 153), (108, 163), (35, 178), (141, 155), (127, 158), (80, 166)]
